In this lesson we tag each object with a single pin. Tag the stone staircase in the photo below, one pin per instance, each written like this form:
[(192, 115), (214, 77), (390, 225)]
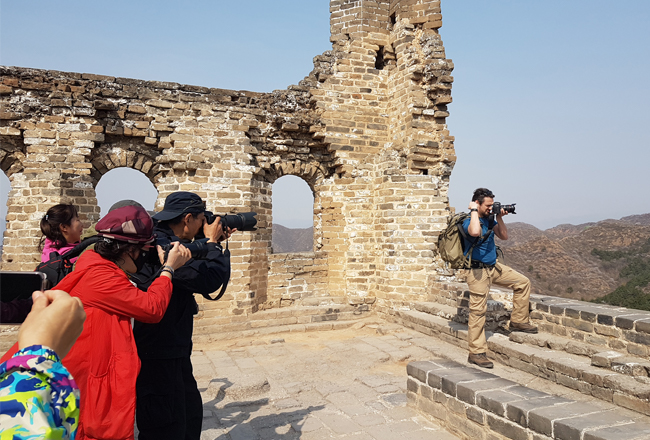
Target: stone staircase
[(599, 350)]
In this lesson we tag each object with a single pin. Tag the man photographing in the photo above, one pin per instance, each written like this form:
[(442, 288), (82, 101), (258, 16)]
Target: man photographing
[(485, 270), (169, 404)]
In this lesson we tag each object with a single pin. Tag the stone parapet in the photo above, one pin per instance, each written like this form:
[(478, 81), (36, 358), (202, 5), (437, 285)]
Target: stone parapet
[(609, 327), (479, 405), (605, 379)]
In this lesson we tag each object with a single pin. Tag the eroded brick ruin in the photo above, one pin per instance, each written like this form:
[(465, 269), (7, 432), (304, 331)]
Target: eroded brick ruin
[(365, 129)]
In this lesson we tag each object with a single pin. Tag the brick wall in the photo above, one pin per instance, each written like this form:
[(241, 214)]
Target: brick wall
[(365, 129)]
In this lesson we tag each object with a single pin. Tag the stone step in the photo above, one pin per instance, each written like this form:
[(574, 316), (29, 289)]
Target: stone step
[(572, 371), (472, 403), (282, 316), (613, 360), (203, 340), (437, 309)]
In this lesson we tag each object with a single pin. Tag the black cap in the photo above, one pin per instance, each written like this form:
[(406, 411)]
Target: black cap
[(179, 203)]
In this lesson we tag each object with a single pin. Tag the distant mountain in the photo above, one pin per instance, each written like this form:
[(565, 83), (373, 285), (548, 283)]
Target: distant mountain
[(586, 261), (285, 240), (642, 219)]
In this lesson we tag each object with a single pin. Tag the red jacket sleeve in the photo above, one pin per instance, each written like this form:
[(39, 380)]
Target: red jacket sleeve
[(109, 289), (9, 354)]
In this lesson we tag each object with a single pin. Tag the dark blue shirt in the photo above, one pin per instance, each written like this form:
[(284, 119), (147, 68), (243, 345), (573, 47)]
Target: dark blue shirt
[(486, 250)]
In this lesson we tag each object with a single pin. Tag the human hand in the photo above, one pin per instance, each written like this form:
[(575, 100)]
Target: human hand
[(215, 232), (55, 321), (178, 255), (473, 205)]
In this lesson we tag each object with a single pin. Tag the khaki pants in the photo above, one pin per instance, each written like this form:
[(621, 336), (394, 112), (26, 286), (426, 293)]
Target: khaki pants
[(479, 281)]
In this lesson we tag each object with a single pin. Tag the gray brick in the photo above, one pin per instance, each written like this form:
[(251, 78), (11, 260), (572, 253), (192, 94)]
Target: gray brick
[(606, 318), (467, 391), (632, 431), (495, 401), (642, 326), (541, 419), (556, 310), (413, 385), (506, 428), (572, 429), (588, 315), (475, 415), (449, 381), (518, 411), (419, 370), (627, 321)]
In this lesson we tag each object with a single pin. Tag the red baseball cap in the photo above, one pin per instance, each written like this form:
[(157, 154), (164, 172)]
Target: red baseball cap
[(131, 224)]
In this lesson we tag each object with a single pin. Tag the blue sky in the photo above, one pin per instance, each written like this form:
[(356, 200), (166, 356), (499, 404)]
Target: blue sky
[(550, 103)]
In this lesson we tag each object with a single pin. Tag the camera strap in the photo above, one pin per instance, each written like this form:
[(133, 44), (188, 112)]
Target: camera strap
[(223, 286)]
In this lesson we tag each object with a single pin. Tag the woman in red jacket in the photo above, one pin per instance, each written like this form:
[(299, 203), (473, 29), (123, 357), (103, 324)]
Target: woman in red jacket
[(104, 360)]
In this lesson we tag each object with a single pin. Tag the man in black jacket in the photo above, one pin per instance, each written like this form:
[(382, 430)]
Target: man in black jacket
[(169, 404)]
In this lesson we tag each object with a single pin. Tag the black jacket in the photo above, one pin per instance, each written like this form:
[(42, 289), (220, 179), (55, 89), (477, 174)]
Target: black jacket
[(172, 336)]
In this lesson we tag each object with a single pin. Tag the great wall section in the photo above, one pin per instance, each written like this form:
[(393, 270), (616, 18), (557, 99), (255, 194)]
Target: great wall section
[(366, 129)]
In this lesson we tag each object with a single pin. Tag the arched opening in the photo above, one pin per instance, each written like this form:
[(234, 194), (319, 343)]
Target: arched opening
[(125, 183), (293, 216), (5, 187)]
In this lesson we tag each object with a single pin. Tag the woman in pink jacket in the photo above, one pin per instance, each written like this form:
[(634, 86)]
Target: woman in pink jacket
[(61, 230)]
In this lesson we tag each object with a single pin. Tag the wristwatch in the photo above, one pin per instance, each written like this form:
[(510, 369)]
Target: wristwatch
[(473, 210)]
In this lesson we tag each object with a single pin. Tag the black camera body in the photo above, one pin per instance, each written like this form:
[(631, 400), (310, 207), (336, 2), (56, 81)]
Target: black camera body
[(497, 207)]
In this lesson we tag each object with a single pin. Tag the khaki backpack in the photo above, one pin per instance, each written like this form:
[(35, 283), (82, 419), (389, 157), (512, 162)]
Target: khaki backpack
[(451, 241)]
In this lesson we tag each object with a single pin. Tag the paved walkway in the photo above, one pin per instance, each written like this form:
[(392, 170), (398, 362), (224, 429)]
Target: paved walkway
[(343, 384)]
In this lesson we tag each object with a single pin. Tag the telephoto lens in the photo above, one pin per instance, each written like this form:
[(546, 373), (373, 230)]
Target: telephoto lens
[(244, 221)]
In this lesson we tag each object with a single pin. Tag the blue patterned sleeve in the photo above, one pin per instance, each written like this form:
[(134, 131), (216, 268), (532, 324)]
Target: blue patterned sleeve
[(38, 397)]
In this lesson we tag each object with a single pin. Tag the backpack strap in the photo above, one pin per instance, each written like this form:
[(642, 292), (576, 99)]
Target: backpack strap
[(78, 249)]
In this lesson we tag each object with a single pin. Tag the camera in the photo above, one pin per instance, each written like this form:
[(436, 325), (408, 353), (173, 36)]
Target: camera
[(497, 207), (244, 221)]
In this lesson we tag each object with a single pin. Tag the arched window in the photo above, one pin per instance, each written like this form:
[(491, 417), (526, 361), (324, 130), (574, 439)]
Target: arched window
[(125, 183), (293, 215)]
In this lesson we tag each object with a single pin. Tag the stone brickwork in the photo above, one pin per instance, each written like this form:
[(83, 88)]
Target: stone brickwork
[(611, 328), (365, 129), (294, 277), (479, 405)]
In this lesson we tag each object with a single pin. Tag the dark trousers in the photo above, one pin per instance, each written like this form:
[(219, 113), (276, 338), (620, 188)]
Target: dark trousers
[(169, 404)]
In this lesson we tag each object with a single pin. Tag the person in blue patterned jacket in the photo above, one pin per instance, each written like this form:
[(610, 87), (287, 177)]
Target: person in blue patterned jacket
[(38, 396)]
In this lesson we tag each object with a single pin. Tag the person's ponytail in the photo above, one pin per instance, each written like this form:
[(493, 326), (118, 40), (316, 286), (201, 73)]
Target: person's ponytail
[(57, 215)]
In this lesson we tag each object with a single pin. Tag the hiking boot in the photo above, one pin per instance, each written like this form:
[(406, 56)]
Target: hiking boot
[(480, 359), (522, 327)]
